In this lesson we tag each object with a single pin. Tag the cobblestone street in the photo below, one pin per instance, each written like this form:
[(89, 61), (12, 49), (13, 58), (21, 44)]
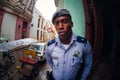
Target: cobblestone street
[(12, 71), (17, 48)]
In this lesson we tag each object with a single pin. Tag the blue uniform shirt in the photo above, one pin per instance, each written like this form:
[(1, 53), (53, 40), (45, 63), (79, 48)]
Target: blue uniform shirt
[(66, 62)]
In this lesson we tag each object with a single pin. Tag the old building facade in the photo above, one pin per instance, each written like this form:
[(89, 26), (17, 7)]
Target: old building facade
[(41, 29), (15, 18)]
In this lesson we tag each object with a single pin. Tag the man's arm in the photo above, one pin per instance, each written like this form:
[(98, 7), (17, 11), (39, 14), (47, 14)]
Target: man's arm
[(49, 49), (88, 60), (48, 57)]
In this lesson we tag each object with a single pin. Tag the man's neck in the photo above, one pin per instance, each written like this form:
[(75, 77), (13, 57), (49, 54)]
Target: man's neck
[(66, 40)]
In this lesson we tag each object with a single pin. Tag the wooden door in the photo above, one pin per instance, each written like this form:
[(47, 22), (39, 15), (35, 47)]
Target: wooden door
[(93, 28)]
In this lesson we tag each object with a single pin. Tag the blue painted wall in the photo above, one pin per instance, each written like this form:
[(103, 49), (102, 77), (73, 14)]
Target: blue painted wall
[(77, 12)]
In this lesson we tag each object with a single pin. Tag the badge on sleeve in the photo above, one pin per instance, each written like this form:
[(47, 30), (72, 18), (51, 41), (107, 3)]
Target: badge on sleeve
[(76, 53)]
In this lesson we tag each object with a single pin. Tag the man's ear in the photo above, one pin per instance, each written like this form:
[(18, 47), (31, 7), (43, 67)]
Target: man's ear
[(71, 24)]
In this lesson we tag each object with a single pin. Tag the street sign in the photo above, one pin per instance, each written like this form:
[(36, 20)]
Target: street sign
[(49, 30)]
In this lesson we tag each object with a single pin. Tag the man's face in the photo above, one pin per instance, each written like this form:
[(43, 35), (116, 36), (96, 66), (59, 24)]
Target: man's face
[(63, 26)]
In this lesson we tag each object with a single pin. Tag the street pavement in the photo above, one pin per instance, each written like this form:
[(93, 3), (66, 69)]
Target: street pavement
[(13, 72)]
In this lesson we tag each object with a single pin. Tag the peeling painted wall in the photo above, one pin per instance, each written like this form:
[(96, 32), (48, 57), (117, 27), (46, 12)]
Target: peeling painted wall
[(77, 12)]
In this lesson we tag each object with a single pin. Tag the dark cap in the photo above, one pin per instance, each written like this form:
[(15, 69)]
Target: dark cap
[(59, 13)]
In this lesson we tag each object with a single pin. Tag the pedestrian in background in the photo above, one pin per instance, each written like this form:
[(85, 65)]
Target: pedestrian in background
[(68, 54)]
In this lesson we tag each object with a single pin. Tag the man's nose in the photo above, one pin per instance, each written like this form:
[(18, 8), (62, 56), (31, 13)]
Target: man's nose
[(61, 26)]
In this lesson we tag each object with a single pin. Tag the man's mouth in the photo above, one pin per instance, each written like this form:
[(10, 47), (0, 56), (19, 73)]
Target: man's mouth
[(62, 33)]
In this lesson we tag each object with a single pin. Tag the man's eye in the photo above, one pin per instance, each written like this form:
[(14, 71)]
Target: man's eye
[(64, 21), (56, 23)]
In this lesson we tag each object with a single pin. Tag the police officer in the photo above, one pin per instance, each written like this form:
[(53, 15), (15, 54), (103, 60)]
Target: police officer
[(66, 53)]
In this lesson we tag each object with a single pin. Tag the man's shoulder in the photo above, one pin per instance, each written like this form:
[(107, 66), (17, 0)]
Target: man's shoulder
[(81, 39), (51, 42)]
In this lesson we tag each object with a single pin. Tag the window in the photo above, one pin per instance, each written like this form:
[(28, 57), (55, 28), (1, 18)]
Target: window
[(24, 1), (37, 34), (31, 6)]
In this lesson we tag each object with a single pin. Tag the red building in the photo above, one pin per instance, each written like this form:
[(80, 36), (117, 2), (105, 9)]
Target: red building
[(15, 18)]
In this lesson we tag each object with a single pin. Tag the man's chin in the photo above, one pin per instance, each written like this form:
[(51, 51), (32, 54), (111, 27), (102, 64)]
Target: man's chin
[(62, 37)]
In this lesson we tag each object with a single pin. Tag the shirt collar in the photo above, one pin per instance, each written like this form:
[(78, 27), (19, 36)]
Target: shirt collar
[(73, 39)]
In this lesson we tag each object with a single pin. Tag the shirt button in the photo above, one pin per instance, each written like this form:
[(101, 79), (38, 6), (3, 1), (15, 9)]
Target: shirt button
[(64, 62)]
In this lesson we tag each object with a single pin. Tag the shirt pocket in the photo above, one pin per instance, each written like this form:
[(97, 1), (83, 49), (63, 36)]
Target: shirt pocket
[(55, 65), (55, 59), (55, 62), (75, 61)]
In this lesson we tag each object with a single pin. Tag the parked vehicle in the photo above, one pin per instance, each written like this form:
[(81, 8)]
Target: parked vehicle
[(2, 39), (39, 48), (29, 68)]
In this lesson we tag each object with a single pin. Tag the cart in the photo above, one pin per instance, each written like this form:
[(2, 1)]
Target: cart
[(29, 67)]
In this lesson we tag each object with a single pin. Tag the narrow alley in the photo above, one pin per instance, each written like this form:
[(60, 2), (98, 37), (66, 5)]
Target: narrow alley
[(96, 20)]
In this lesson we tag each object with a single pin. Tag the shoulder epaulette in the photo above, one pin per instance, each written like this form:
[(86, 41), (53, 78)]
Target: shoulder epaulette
[(81, 39), (51, 42)]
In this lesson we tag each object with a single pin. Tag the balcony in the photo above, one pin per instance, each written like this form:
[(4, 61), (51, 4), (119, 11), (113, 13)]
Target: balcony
[(18, 7)]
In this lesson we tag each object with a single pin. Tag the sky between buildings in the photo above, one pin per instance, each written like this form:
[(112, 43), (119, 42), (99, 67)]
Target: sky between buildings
[(46, 7)]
